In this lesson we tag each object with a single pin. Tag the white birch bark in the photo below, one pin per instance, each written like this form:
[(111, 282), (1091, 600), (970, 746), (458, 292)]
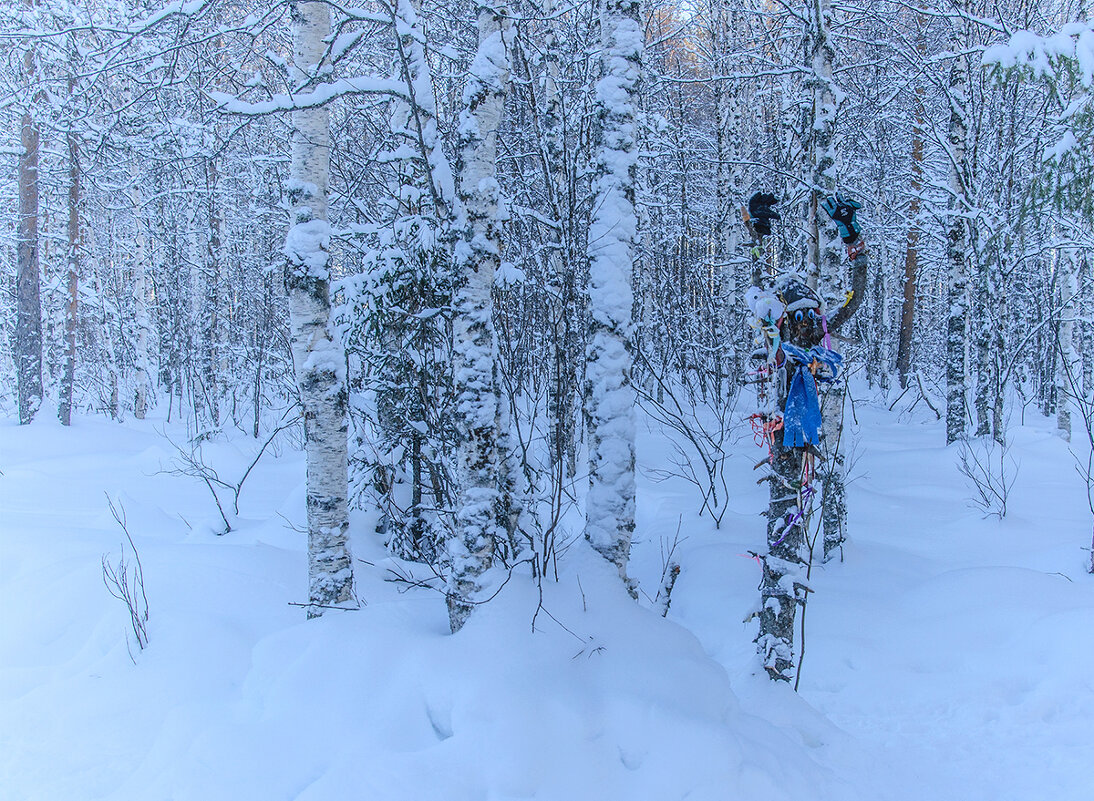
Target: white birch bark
[(141, 266), (28, 318), (958, 312), (318, 360), (1067, 372), (68, 377), (729, 101), (478, 255), (422, 107), (1086, 335), (825, 261), (613, 235)]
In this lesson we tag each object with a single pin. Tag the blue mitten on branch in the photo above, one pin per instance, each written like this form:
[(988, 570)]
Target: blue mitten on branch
[(842, 211)]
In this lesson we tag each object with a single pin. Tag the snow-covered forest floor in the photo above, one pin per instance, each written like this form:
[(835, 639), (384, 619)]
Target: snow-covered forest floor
[(948, 657)]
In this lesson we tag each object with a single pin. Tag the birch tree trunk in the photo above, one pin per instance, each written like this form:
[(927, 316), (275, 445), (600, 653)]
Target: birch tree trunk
[(1086, 308), (212, 269), (613, 235), (911, 248), (318, 360), (479, 503), (825, 262), (820, 133), (1067, 374), (958, 237), (143, 325), (68, 377), (28, 315), (728, 103)]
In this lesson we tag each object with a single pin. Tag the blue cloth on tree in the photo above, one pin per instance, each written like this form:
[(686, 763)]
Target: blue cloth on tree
[(802, 415)]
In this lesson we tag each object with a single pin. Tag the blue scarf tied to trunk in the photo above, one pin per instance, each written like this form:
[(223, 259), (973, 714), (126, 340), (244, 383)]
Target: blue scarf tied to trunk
[(802, 415)]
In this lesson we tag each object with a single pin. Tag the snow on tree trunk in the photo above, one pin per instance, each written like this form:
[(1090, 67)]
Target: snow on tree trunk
[(911, 247), (28, 316), (1086, 336), (64, 409), (562, 417), (1067, 376), (392, 327), (141, 266), (613, 235), (825, 258), (212, 269), (957, 294), (729, 101), (478, 255), (820, 134), (319, 361), (783, 585)]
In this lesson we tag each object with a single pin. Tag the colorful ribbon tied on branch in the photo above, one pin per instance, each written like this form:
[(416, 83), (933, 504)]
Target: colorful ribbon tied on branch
[(802, 415)]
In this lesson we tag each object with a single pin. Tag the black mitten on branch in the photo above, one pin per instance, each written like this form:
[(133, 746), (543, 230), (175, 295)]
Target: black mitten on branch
[(761, 213)]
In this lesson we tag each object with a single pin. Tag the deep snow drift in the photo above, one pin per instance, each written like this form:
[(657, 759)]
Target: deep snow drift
[(948, 657)]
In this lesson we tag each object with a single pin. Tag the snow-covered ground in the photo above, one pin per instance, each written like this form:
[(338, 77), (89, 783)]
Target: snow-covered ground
[(948, 657)]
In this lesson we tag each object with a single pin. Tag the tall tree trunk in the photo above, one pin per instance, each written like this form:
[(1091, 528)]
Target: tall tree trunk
[(782, 587), (728, 103), (479, 503), (28, 314), (1086, 308), (958, 237), (819, 133), (613, 236), (983, 311), (825, 262), (213, 265), (319, 360), (1067, 372), (64, 409), (141, 269), (911, 248)]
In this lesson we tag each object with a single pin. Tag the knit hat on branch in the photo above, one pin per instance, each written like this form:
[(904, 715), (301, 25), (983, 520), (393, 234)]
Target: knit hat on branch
[(796, 294)]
